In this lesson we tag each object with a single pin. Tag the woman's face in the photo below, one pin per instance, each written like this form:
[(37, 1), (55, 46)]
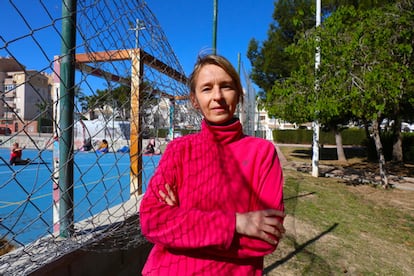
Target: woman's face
[(215, 94)]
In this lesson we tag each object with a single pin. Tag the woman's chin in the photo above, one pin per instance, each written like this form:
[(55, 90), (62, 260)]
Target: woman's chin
[(220, 120)]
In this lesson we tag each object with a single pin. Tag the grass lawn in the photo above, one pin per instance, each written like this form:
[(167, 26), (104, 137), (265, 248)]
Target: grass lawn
[(339, 229)]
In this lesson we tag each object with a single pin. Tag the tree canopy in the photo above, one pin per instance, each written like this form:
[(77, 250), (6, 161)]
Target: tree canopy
[(118, 98), (269, 60), (365, 73)]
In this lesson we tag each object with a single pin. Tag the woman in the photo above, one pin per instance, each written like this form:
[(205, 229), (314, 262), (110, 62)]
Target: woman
[(215, 204)]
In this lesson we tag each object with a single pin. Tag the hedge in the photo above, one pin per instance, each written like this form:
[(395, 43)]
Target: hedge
[(350, 136)]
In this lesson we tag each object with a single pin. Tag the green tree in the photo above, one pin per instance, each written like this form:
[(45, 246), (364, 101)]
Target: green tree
[(81, 98), (386, 37), (119, 99), (362, 74), (271, 63), (402, 54), (269, 60), (44, 117), (292, 19)]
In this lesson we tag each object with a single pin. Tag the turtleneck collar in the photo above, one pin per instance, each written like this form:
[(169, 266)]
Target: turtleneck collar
[(223, 134)]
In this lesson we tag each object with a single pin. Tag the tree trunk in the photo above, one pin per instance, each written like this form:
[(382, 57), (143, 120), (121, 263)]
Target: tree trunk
[(397, 153), (378, 146), (366, 128), (339, 146)]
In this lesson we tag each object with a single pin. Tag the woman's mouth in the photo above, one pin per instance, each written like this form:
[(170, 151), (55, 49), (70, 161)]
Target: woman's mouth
[(219, 109)]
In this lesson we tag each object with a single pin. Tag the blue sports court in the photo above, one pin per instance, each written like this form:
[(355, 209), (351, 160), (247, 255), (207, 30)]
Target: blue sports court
[(101, 181)]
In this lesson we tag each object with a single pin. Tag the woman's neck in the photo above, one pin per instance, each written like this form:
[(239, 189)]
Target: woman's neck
[(229, 122)]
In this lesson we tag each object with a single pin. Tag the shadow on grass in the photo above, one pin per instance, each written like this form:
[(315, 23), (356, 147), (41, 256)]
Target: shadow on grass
[(298, 249), (330, 153), (297, 196)]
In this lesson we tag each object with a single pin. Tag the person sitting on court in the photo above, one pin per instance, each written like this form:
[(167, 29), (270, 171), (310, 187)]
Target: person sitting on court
[(16, 155), (87, 145), (150, 149), (124, 149), (103, 147)]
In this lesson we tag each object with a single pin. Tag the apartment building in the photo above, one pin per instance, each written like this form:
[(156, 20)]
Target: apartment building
[(25, 96)]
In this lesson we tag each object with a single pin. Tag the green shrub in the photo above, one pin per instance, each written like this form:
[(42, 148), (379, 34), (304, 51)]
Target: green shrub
[(387, 145), (45, 125), (408, 147), (163, 132), (351, 136)]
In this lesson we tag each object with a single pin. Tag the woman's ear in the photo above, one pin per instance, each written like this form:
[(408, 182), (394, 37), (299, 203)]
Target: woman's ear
[(194, 101)]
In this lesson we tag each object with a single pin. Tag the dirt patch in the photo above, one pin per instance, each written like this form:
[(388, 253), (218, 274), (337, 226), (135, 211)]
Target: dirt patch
[(397, 169), (308, 251), (395, 198), (361, 173), (299, 248)]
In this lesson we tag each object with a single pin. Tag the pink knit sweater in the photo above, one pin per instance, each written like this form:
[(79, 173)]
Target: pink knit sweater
[(216, 173)]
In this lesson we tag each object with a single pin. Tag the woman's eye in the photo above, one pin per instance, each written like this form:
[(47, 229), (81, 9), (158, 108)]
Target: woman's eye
[(227, 86)]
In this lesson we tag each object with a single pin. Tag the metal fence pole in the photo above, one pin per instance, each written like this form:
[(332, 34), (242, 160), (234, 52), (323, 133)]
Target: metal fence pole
[(215, 14), (315, 123), (137, 68), (67, 92)]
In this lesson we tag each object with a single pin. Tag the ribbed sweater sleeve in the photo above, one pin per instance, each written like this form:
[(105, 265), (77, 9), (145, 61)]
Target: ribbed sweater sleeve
[(268, 195), (177, 227)]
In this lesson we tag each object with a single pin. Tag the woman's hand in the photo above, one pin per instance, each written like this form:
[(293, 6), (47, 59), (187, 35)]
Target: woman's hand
[(263, 224), (170, 197)]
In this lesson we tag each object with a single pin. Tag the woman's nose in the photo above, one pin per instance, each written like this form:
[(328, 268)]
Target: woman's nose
[(217, 95)]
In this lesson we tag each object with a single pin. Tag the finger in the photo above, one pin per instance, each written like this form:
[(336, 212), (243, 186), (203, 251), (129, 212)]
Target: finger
[(275, 223), (163, 195), (274, 213), (281, 228), (166, 199), (171, 193), (274, 231), (267, 238), (169, 201)]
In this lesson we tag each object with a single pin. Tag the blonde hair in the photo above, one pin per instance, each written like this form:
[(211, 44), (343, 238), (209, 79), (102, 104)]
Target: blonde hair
[(221, 62)]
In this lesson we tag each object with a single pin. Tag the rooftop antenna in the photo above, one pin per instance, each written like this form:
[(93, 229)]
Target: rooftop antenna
[(139, 25)]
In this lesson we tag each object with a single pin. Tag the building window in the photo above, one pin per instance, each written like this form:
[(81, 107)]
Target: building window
[(9, 87)]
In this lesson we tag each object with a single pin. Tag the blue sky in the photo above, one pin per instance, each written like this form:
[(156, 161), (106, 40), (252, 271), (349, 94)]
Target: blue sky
[(187, 24)]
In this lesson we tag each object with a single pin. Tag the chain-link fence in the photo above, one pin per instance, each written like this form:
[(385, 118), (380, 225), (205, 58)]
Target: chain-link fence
[(75, 74)]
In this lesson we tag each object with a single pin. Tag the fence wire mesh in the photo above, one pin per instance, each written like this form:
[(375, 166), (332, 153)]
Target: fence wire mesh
[(104, 201)]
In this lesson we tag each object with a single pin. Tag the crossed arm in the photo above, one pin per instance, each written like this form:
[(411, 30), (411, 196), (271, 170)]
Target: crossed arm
[(261, 224)]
